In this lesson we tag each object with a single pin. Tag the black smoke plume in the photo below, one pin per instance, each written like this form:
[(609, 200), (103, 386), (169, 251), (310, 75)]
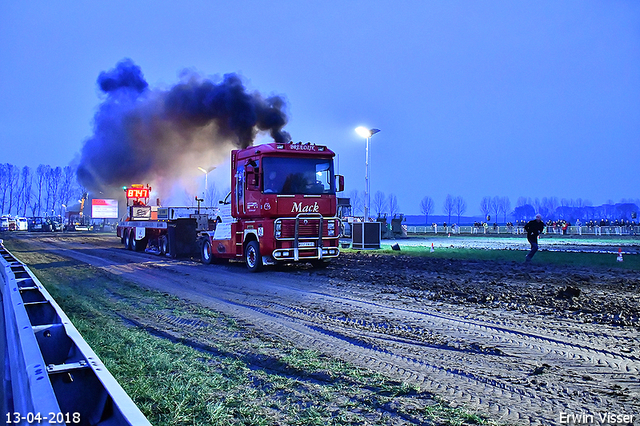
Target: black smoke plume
[(143, 135)]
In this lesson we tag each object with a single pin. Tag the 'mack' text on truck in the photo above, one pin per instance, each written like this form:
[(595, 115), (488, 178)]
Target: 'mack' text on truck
[(281, 208)]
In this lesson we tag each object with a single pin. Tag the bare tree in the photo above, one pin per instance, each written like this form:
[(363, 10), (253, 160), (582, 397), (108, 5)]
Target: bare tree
[(212, 195), (448, 206), (356, 202), (13, 176), (4, 185), (505, 206), (426, 207), (495, 207), (459, 207), (41, 177), (523, 201), (393, 205), (67, 186), (485, 206), (549, 205), (379, 202), (539, 206), (52, 182), (25, 190)]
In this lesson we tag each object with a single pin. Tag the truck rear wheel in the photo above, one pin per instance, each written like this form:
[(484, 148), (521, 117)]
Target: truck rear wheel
[(252, 256), (205, 252)]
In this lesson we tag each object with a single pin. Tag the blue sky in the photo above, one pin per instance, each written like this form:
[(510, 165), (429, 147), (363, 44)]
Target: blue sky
[(473, 98)]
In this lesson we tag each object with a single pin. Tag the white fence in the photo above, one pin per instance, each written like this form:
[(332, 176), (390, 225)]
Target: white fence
[(491, 230)]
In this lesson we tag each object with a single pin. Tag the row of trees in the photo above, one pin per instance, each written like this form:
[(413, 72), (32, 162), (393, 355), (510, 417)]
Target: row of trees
[(43, 192), (380, 203), (551, 208), (455, 206), (499, 208)]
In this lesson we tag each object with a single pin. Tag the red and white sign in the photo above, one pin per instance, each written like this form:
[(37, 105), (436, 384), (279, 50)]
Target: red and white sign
[(104, 209)]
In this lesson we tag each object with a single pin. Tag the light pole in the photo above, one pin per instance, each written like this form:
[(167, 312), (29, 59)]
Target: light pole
[(206, 179), (366, 133)]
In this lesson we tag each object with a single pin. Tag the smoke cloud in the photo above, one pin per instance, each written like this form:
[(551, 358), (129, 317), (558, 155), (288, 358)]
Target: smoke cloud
[(159, 136)]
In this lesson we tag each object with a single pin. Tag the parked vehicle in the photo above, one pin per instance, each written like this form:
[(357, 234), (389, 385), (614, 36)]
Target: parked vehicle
[(4, 223), (37, 224), (22, 224)]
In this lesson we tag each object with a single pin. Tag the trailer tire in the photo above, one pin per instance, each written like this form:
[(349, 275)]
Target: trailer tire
[(163, 245), (129, 237), (206, 255), (252, 256), (138, 245)]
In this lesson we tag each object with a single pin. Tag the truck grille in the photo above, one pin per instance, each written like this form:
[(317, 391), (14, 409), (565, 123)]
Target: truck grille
[(308, 227), (304, 230)]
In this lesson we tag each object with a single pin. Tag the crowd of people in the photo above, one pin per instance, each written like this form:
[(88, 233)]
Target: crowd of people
[(559, 227)]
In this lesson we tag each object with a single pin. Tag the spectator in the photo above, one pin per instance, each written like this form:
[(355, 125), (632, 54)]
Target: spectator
[(534, 228)]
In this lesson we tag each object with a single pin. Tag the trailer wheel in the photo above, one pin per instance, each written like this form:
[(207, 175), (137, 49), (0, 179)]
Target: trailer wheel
[(162, 245), (138, 245), (205, 252), (129, 240), (252, 256)]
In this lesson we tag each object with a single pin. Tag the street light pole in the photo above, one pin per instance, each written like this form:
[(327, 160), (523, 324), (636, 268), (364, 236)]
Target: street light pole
[(366, 133), (206, 180)]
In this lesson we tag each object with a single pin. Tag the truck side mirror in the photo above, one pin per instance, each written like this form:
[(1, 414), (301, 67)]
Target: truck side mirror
[(340, 183)]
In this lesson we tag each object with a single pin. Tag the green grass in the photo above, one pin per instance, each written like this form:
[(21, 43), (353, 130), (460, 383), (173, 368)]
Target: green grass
[(542, 257), (174, 383)]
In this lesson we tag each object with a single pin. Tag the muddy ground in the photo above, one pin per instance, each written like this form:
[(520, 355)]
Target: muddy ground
[(584, 294), (520, 344)]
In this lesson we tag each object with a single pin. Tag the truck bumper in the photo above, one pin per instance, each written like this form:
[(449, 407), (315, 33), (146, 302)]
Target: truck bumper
[(304, 254)]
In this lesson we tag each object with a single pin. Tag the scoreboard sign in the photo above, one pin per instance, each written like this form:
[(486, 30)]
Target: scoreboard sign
[(137, 193), (104, 209)]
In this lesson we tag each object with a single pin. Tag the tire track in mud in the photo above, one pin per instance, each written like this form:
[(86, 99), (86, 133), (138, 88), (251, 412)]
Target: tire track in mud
[(459, 382), (457, 370)]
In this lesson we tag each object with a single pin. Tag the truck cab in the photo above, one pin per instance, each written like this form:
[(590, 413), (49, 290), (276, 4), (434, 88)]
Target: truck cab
[(282, 207)]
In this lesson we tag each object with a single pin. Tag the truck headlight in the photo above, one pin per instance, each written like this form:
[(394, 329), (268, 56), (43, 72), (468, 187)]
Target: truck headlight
[(331, 227)]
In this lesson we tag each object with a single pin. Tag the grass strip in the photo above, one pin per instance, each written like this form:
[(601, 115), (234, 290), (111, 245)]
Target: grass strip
[(242, 378)]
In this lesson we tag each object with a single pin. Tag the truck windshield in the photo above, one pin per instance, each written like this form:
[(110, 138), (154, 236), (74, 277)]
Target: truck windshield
[(283, 175)]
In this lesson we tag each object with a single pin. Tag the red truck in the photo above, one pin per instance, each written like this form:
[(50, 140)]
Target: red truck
[(281, 208)]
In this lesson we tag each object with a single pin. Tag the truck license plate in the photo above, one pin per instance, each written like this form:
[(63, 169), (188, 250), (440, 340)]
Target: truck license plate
[(306, 244)]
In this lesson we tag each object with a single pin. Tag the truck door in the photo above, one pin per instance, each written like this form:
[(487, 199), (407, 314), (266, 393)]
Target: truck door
[(240, 179)]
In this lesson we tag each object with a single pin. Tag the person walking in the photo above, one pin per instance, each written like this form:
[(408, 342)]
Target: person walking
[(534, 228)]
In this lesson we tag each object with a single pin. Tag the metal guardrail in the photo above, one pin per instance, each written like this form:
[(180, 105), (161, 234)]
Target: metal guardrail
[(50, 374)]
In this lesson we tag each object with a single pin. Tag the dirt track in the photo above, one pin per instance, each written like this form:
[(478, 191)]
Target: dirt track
[(522, 345)]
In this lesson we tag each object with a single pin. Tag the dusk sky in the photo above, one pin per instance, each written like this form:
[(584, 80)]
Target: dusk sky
[(473, 98)]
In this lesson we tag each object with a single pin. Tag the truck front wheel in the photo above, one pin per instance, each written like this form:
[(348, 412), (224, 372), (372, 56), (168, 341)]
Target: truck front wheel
[(205, 252), (252, 256)]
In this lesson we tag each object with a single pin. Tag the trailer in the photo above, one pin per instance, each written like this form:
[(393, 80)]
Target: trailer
[(170, 231), (281, 209)]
